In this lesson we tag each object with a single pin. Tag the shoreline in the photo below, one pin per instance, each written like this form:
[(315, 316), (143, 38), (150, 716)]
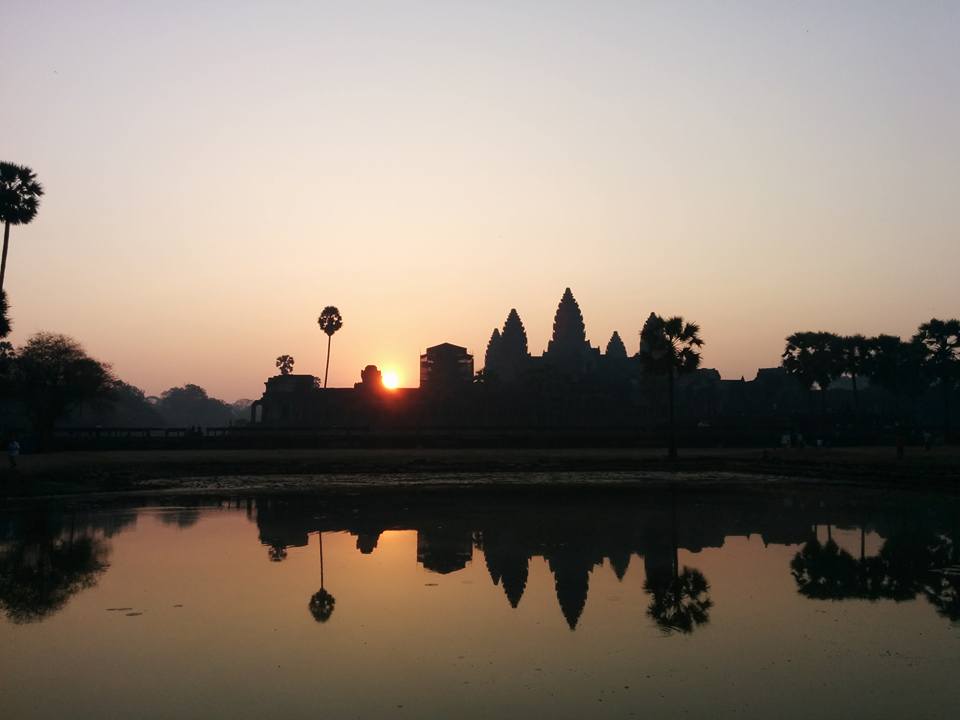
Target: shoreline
[(378, 470)]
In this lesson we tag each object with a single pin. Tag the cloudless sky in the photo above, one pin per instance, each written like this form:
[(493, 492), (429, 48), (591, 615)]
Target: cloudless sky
[(217, 172)]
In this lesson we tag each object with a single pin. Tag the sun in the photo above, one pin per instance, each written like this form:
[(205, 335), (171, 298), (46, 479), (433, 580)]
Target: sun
[(391, 381)]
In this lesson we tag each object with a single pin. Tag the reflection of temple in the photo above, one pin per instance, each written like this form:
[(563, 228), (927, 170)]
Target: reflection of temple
[(46, 557), (575, 539)]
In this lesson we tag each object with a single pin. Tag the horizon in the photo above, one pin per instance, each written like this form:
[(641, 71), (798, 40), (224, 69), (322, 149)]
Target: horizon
[(757, 169)]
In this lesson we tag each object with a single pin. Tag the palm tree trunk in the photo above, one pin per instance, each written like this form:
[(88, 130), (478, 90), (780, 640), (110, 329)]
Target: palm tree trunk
[(320, 535), (6, 242), (327, 370), (672, 449), (946, 410), (856, 399)]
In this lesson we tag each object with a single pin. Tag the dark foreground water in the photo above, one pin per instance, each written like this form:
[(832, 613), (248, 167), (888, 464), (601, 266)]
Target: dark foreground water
[(774, 604)]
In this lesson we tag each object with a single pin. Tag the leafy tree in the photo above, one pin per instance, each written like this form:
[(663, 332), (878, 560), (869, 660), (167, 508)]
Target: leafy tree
[(19, 199), (54, 375), (124, 406), (940, 340), (190, 405), (329, 321), (615, 348), (896, 366), (814, 359), (285, 364), (670, 347)]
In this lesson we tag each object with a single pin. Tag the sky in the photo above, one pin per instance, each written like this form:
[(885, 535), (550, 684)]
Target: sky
[(217, 172)]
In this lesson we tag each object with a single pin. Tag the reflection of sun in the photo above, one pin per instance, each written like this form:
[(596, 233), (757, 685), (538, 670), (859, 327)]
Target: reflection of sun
[(391, 380)]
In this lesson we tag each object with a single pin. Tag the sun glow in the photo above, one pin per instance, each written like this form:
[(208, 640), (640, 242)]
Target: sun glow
[(391, 381)]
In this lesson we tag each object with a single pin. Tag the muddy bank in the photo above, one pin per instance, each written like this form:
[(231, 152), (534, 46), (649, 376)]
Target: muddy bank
[(198, 470)]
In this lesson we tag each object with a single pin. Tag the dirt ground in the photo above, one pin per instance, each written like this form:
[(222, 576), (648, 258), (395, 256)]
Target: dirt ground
[(112, 471)]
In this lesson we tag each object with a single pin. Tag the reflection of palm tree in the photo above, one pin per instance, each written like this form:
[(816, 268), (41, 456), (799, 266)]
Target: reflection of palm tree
[(680, 599), (824, 571), (681, 603), (321, 602)]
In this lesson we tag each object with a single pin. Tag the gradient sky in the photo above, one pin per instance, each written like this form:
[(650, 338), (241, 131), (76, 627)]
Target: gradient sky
[(217, 172)]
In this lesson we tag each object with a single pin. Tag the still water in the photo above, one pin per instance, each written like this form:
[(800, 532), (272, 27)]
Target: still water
[(780, 603)]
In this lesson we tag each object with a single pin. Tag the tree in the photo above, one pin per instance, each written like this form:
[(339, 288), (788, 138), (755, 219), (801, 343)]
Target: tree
[(854, 359), (814, 359), (330, 321), (190, 405), (896, 366), (285, 364), (54, 375), (671, 348), (19, 199), (940, 340)]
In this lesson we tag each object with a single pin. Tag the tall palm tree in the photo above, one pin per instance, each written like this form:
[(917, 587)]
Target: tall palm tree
[(321, 602), (941, 343), (329, 321), (854, 359), (19, 199), (670, 347)]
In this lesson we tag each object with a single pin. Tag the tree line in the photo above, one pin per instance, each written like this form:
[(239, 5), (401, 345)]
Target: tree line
[(906, 369)]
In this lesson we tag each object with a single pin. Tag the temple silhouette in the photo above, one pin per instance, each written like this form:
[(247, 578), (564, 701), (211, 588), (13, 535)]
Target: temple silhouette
[(573, 387), (571, 384)]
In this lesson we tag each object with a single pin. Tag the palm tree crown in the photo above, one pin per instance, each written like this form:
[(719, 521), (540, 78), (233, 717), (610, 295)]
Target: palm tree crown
[(19, 199), (670, 345), (20, 194), (330, 320)]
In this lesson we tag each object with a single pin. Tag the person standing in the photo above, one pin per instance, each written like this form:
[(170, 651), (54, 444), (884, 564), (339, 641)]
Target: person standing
[(13, 453)]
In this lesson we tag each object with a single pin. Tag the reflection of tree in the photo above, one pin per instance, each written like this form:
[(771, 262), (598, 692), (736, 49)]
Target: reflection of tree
[(277, 553), (680, 602), (37, 578), (824, 571), (321, 602), (181, 517), (911, 561)]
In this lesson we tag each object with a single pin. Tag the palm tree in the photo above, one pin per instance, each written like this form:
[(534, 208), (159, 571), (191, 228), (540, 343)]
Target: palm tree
[(285, 364), (19, 199), (330, 321), (854, 358), (321, 602), (941, 343), (670, 347)]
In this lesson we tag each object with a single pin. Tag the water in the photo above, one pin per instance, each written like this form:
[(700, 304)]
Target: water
[(781, 603)]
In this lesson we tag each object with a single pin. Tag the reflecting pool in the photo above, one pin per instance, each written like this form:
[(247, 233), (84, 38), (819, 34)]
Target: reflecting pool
[(789, 603)]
